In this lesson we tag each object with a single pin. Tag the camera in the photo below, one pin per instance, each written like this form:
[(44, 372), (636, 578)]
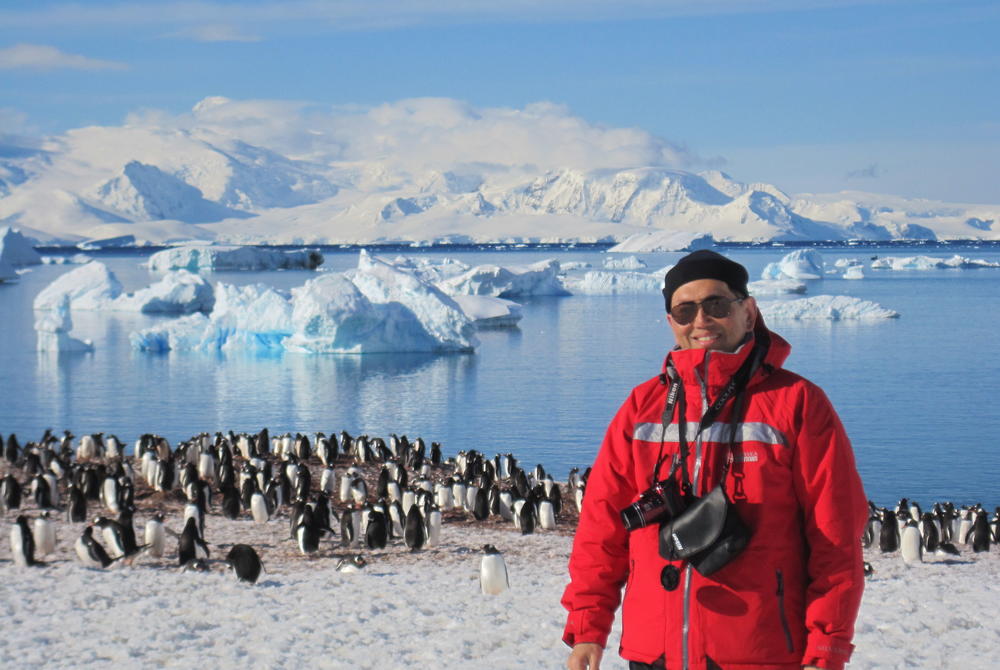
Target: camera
[(662, 500)]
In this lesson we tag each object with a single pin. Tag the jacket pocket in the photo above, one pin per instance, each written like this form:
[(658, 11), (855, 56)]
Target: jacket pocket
[(781, 611)]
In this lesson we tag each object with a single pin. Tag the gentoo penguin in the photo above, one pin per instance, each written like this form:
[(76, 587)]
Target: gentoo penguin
[(481, 506), (259, 508), (493, 578), (911, 544), (526, 517), (22, 543), (929, 532), (413, 533), (965, 527), (434, 526), (889, 536), (353, 564), (980, 533), (155, 537), (76, 511), (230, 502), (10, 493), (377, 532), (306, 533), (244, 561), (347, 531), (191, 547), (868, 569), (44, 532), (89, 550), (546, 515)]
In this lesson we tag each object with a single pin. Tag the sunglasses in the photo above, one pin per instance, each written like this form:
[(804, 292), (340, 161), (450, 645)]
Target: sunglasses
[(716, 307)]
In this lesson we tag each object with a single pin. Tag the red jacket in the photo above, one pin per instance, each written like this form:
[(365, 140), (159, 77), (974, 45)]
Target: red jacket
[(791, 597)]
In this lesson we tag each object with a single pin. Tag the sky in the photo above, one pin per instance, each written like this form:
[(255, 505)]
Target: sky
[(887, 96)]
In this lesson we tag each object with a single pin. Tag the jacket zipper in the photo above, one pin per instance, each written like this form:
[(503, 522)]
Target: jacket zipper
[(686, 623), (781, 611)]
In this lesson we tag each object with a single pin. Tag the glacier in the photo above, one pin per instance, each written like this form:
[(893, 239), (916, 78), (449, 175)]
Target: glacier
[(197, 258)]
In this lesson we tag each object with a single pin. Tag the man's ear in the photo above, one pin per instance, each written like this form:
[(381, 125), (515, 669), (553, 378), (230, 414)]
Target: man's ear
[(751, 312)]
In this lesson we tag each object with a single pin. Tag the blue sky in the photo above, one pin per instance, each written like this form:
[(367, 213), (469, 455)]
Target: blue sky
[(891, 96)]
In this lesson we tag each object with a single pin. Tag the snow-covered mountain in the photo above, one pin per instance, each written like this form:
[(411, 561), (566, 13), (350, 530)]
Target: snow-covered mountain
[(162, 185)]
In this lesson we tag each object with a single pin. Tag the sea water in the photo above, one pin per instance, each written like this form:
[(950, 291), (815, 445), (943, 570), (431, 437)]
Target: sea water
[(917, 394)]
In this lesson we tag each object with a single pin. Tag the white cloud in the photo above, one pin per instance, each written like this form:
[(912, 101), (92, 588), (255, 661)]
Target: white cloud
[(43, 57), (215, 33), (428, 133)]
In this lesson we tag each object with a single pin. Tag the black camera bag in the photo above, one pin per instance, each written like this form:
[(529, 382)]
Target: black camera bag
[(708, 534)]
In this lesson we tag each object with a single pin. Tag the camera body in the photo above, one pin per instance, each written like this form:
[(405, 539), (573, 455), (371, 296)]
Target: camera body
[(661, 501)]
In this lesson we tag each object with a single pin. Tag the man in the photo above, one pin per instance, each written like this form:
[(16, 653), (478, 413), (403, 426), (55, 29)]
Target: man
[(789, 598)]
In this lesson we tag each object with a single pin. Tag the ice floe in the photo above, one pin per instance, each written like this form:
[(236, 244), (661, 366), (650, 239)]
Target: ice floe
[(52, 328), (799, 264), (196, 258), (541, 278), (825, 308), (627, 263), (599, 282), (771, 287), (89, 287), (930, 263)]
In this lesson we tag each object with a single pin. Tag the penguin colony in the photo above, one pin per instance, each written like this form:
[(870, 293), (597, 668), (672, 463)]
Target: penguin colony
[(334, 497), (945, 530)]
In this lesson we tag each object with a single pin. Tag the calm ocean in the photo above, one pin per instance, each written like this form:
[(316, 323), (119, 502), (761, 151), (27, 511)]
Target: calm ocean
[(917, 394)]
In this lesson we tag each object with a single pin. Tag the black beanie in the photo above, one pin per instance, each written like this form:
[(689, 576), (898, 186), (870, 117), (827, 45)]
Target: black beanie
[(705, 264)]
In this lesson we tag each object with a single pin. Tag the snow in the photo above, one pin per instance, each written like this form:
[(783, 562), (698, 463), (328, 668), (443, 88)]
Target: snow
[(771, 287), (16, 249), (663, 240), (627, 263), (94, 287), (489, 312), (541, 278), (377, 308), (598, 282), (825, 307), (930, 263), (195, 258), (799, 264), (53, 327)]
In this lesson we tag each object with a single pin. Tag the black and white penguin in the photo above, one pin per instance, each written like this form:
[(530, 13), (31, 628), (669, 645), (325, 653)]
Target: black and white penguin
[(526, 517), (929, 532), (89, 550), (155, 537), (481, 507), (230, 502), (981, 532), (44, 533), (377, 531), (76, 511), (245, 563), (191, 546), (493, 578), (911, 545), (889, 536), (306, 532), (947, 549), (10, 493), (413, 532), (259, 507), (546, 515), (353, 564), (434, 526), (347, 531), (22, 543)]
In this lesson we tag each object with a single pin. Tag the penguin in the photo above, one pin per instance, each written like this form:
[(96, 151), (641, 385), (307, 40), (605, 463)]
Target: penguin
[(22, 543), (506, 506), (929, 531), (347, 530), (306, 533), (493, 579), (873, 531), (353, 564), (947, 549), (434, 526), (911, 545), (76, 511), (359, 491), (191, 546), (868, 569), (377, 532), (980, 533), (413, 533), (965, 527), (230, 502), (526, 518), (155, 537), (89, 550), (889, 535), (546, 515), (481, 508), (396, 519), (44, 533), (41, 492), (244, 562), (259, 508), (10, 493)]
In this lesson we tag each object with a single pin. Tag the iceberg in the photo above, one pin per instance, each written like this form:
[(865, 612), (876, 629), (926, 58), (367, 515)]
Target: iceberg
[(854, 272), (377, 308), (800, 264), (540, 278), (598, 282), (627, 263), (93, 287), (16, 249), (75, 259), (775, 287), (825, 307), (489, 312), (663, 240), (53, 327), (930, 263), (196, 258)]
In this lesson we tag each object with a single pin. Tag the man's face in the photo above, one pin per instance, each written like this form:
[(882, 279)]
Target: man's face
[(706, 332)]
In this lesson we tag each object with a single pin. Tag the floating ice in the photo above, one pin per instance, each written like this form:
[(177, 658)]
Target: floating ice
[(489, 312), (627, 263), (775, 287), (825, 307), (89, 287), (75, 259), (931, 263), (16, 249), (430, 270), (179, 292), (800, 264), (663, 240), (598, 282), (195, 258), (507, 282), (377, 308), (854, 272), (53, 327)]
